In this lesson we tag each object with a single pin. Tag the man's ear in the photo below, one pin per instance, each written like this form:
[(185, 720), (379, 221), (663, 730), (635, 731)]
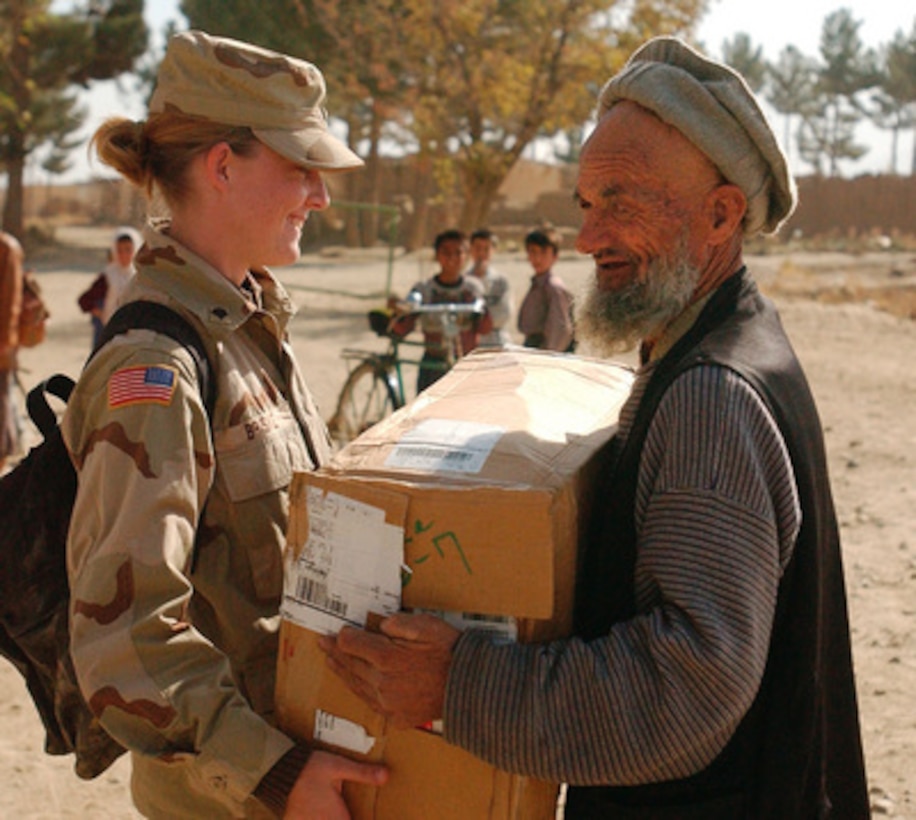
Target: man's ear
[(727, 207), (218, 162)]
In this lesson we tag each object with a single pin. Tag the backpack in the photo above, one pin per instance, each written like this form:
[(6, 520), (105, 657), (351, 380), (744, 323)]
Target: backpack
[(36, 500), (33, 318)]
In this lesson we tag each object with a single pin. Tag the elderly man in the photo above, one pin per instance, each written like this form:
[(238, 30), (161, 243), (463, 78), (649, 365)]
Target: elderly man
[(709, 675)]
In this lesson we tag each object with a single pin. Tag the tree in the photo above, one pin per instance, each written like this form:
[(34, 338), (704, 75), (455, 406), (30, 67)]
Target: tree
[(791, 82), (848, 68), (747, 59), (41, 56), (464, 86), (895, 99), (499, 73), (364, 47)]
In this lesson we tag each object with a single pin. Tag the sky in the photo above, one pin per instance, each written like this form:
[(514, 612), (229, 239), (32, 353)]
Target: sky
[(772, 24)]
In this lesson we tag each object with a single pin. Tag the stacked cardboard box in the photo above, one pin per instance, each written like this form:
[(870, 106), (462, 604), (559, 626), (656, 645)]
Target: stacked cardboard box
[(470, 501)]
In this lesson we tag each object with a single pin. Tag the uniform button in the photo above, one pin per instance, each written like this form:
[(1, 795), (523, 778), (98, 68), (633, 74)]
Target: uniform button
[(219, 782)]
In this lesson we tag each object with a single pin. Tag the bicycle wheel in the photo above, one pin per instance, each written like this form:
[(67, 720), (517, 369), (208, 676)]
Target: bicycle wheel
[(366, 398)]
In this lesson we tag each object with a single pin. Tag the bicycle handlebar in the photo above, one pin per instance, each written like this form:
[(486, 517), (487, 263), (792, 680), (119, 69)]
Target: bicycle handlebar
[(406, 307)]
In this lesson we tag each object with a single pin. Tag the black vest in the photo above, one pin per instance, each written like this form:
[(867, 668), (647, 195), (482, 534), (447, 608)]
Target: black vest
[(797, 754)]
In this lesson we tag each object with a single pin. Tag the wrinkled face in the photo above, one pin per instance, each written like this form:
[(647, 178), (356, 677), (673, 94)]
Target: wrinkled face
[(643, 190), (617, 320), (274, 197), (452, 256)]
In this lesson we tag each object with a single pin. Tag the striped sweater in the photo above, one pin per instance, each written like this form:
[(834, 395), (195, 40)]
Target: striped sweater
[(717, 515)]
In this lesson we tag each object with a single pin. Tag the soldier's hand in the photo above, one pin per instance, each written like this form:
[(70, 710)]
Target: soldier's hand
[(317, 795)]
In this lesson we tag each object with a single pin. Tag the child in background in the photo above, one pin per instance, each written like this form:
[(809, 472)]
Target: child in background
[(545, 318), (449, 285), (495, 285), (103, 296)]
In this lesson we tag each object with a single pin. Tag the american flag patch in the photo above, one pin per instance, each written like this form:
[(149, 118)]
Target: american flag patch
[(141, 385)]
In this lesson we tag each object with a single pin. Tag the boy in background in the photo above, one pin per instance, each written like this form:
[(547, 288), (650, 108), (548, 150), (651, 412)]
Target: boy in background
[(545, 318), (495, 285), (449, 285)]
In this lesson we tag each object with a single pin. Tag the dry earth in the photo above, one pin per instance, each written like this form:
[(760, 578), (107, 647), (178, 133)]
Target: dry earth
[(851, 319)]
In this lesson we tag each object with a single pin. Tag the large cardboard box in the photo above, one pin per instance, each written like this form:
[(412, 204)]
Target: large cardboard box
[(470, 501)]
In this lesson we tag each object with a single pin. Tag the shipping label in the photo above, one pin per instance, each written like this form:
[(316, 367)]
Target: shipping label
[(445, 446), (349, 566)]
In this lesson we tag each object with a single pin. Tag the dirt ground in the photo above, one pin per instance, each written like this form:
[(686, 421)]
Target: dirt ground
[(853, 322)]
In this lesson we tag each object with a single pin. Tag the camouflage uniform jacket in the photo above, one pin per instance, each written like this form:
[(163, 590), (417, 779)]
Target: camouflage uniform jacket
[(174, 553)]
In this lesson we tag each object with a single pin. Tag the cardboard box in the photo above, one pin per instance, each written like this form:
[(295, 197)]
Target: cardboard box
[(469, 500)]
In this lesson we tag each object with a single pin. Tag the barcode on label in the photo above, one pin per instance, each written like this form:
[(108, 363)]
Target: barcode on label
[(315, 593), (499, 626), (438, 453), (496, 619)]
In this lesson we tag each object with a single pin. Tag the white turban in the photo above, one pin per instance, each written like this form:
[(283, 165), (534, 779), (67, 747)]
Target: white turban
[(712, 106)]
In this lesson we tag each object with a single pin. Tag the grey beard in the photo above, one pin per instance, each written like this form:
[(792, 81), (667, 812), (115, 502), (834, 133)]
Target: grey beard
[(616, 321)]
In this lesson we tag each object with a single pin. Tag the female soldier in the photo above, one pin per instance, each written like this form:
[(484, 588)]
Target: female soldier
[(175, 544)]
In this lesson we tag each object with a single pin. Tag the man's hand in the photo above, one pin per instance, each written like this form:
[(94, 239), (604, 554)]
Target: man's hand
[(401, 673), (316, 794)]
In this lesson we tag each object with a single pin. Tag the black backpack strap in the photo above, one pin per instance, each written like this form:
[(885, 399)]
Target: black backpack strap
[(144, 315), (36, 401)]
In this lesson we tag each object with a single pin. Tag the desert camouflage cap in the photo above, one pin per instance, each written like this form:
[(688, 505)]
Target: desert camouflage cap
[(279, 97)]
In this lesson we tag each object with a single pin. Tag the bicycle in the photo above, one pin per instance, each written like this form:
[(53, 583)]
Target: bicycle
[(374, 388)]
